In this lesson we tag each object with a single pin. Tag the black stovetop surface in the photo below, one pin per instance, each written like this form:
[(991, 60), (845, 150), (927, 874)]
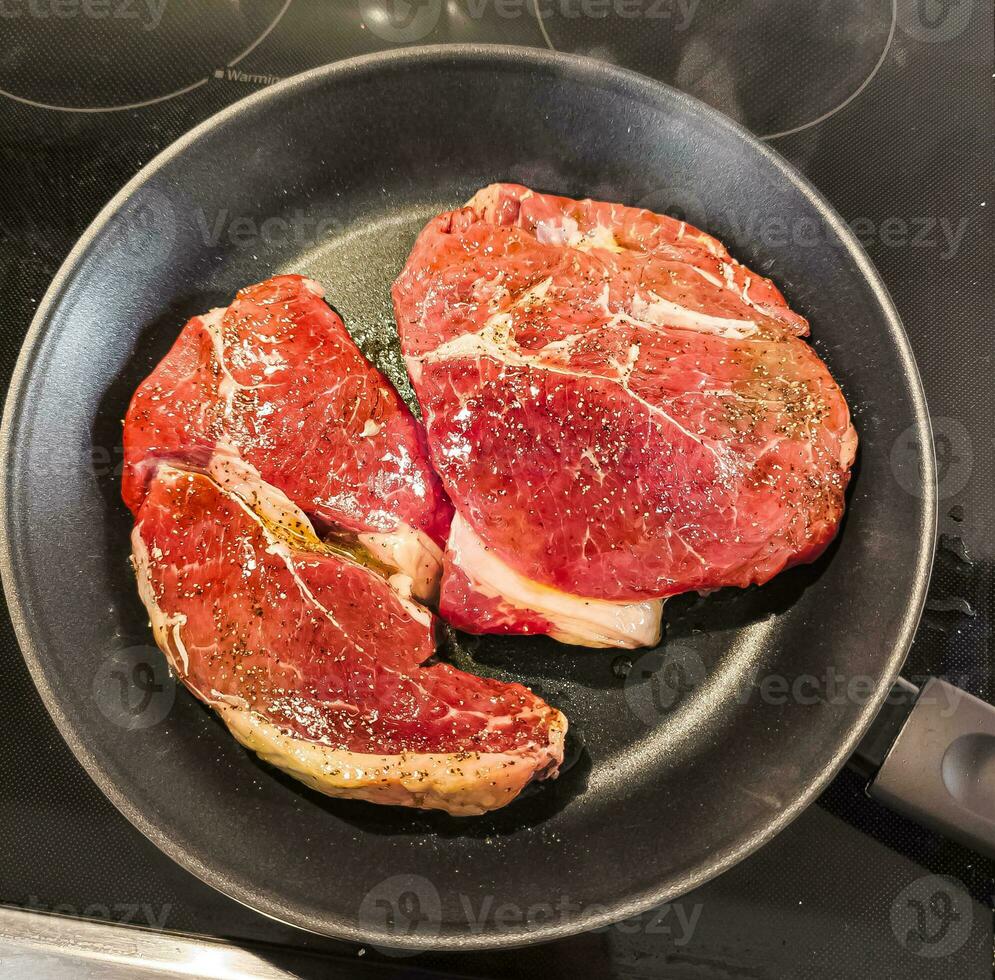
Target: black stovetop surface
[(886, 105)]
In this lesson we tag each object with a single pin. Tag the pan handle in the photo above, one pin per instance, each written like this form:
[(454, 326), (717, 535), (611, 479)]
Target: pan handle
[(931, 756)]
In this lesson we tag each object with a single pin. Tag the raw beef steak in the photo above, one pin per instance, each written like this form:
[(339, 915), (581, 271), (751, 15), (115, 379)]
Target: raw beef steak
[(315, 662), (276, 381), (619, 412)]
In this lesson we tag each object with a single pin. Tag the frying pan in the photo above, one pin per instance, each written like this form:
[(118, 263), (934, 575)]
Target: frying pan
[(681, 760)]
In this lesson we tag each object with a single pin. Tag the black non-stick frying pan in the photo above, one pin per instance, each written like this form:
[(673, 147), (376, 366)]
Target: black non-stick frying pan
[(682, 760)]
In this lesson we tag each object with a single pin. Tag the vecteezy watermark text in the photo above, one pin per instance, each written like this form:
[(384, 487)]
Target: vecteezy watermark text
[(660, 682), (146, 13), (679, 13), (941, 234), (409, 21), (123, 913), (300, 226), (408, 908)]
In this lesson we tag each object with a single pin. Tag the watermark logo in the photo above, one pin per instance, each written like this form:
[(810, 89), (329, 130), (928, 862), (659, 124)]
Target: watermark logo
[(401, 21), (403, 906), (954, 458), (146, 223), (934, 20), (932, 916), (660, 681), (133, 687), (151, 223), (836, 687)]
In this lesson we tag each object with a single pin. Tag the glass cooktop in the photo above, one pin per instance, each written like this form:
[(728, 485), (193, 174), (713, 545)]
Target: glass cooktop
[(886, 105)]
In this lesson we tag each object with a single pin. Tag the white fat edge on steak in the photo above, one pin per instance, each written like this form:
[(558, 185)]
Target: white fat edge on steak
[(577, 620), (462, 783), (403, 548), (415, 556), (166, 627), (416, 560)]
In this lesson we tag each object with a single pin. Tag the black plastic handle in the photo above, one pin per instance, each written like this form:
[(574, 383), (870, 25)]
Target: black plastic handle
[(939, 768)]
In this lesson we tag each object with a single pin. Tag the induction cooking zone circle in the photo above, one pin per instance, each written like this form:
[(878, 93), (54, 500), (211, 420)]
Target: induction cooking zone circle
[(776, 67), (102, 55)]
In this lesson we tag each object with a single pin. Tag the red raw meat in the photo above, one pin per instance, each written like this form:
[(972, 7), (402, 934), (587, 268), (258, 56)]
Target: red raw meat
[(619, 412), (315, 662), (276, 381)]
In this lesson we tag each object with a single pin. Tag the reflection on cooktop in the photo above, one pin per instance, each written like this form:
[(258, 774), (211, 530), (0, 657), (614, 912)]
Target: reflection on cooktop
[(774, 66)]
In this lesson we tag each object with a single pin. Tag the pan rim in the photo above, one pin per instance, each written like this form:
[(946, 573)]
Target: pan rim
[(584, 70)]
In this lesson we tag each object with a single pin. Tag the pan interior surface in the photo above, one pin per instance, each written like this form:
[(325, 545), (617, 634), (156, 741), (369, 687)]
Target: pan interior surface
[(681, 760)]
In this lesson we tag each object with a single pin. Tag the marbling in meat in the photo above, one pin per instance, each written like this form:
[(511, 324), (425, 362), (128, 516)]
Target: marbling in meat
[(287, 521), (315, 662), (619, 412), (276, 381)]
